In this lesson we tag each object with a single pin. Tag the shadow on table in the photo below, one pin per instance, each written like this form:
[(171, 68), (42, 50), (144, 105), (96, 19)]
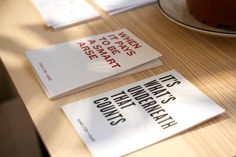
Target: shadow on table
[(17, 133)]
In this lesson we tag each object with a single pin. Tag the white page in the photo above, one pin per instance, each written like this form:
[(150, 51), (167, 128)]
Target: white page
[(149, 65), (119, 10), (132, 117), (128, 7), (110, 6), (60, 13)]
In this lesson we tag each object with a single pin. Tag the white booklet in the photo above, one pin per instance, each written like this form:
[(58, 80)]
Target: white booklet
[(117, 6), (76, 65), (135, 116), (62, 13)]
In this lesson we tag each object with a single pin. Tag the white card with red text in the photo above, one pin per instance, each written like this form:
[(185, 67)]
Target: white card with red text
[(132, 117), (76, 65)]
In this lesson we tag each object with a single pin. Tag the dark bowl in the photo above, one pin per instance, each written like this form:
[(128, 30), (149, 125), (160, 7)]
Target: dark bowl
[(216, 13)]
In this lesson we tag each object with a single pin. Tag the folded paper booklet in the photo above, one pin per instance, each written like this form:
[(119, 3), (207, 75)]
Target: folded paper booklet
[(132, 117), (76, 65), (117, 6), (62, 13)]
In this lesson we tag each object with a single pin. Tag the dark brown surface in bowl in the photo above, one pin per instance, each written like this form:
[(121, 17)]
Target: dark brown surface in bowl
[(216, 13)]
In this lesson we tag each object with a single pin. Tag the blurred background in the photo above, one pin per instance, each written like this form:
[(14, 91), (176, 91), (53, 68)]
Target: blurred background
[(18, 138)]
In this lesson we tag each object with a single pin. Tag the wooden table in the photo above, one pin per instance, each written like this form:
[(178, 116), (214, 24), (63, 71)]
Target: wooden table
[(209, 62)]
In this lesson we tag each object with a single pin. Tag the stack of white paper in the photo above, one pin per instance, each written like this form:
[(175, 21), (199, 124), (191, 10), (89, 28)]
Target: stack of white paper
[(117, 6), (61, 13)]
